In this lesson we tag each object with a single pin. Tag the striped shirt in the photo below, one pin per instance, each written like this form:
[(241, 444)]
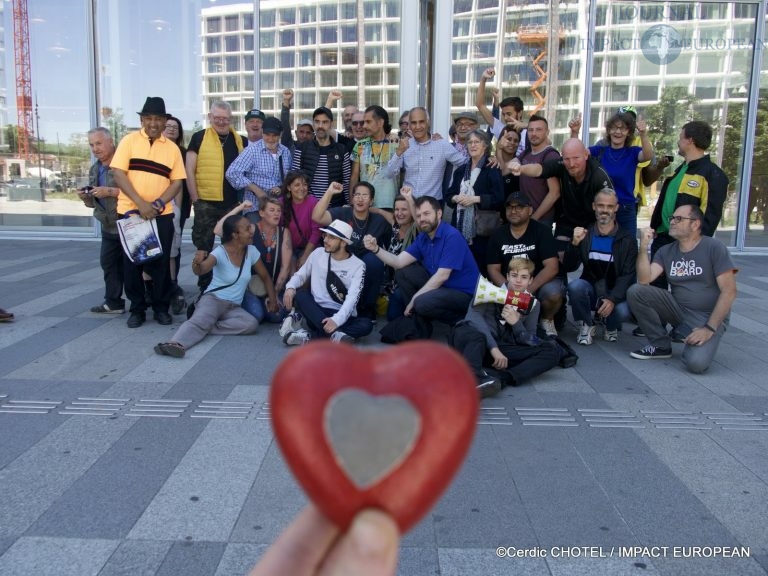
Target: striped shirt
[(151, 167)]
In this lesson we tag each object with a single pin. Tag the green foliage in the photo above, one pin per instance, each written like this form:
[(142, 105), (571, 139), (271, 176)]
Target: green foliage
[(113, 121), (676, 107)]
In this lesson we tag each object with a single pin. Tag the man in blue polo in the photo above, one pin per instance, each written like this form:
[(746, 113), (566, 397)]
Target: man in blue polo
[(437, 273)]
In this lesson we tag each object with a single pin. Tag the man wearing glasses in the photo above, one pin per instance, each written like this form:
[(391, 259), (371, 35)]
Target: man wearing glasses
[(362, 222), (703, 279), (210, 153)]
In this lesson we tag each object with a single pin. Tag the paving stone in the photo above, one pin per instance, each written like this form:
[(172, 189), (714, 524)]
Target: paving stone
[(192, 559), (56, 557), (136, 558)]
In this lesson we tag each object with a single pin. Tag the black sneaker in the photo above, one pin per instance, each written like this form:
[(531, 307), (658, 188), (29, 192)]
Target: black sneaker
[(136, 319), (650, 352), (105, 309), (488, 386), (638, 332), (178, 303), (163, 318)]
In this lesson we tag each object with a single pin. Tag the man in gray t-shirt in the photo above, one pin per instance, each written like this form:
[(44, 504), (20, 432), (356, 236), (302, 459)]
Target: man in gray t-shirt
[(703, 279)]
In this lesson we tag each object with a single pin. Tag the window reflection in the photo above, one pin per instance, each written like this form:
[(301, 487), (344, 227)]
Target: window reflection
[(210, 51)]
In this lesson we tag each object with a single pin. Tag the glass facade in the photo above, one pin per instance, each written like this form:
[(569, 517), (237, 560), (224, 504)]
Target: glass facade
[(93, 62)]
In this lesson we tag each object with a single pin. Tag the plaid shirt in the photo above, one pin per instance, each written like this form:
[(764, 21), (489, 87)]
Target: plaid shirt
[(256, 165)]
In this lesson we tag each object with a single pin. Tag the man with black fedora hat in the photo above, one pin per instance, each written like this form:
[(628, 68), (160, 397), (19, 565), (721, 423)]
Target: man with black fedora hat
[(261, 168), (148, 169)]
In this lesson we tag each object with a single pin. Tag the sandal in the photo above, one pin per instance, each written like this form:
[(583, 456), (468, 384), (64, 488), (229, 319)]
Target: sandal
[(173, 349)]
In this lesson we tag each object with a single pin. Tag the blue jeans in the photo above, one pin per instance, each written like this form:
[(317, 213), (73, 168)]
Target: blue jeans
[(583, 299), (257, 308), (314, 314), (374, 278), (626, 218)]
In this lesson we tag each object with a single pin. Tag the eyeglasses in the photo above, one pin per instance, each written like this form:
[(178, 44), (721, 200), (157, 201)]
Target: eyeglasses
[(171, 127), (361, 195), (226, 119), (618, 129), (678, 219), (358, 122), (404, 123)]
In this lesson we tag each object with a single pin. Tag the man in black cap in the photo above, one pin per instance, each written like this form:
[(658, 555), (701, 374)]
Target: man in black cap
[(259, 171), (148, 169), (324, 160), (527, 238), (210, 153), (254, 125)]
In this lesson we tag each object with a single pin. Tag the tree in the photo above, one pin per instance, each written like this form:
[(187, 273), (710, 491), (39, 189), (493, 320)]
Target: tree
[(733, 153), (113, 121), (676, 107)]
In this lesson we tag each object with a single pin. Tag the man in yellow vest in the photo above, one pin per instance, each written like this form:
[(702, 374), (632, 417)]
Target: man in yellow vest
[(210, 153)]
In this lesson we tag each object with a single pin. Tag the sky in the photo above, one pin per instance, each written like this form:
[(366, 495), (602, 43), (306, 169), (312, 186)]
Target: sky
[(148, 48)]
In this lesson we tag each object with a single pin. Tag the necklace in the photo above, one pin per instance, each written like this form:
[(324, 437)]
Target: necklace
[(223, 142), (361, 227), (268, 244)]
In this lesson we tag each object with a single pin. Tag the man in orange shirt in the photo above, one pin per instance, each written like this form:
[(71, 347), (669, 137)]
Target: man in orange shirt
[(148, 169)]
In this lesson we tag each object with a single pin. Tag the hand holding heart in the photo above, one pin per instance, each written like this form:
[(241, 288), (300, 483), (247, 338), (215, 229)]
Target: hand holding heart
[(384, 430)]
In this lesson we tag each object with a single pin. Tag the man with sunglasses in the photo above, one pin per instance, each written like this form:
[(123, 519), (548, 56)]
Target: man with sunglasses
[(703, 279)]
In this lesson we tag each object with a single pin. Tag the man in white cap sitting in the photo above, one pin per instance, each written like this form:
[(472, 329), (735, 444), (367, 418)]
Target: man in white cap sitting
[(328, 308)]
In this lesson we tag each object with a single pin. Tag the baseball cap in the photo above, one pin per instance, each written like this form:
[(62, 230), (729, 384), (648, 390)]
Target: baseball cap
[(467, 116), (255, 113), (518, 197), (305, 122), (340, 229), (272, 126), (628, 110)]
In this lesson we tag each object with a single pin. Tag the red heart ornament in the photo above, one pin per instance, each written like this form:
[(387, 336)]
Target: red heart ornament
[(383, 429)]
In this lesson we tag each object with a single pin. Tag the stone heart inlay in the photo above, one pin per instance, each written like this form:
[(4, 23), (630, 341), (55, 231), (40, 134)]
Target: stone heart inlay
[(370, 435)]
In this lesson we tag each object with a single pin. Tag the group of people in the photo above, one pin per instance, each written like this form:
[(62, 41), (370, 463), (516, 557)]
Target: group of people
[(339, 227)]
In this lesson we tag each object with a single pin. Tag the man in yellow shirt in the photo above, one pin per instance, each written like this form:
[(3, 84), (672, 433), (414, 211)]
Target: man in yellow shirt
[(148, 169)]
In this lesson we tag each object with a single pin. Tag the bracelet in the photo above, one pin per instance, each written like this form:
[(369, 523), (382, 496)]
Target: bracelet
[(708, 327), (159, 205), (378, 249)]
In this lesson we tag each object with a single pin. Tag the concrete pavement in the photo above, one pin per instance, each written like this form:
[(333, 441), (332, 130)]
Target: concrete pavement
[(114, 460)]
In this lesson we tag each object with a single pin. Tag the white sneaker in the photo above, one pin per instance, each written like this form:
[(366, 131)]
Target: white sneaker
[(549, 327), (611, 335), (291, 323), (341, 337), (586, 333), (297, 338)]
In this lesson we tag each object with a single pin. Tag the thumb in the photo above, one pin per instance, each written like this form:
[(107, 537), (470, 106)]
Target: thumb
[(369, 547)]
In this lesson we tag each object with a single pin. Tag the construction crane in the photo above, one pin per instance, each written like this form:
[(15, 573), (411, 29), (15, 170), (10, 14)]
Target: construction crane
[(24, 111), (540, 36)]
